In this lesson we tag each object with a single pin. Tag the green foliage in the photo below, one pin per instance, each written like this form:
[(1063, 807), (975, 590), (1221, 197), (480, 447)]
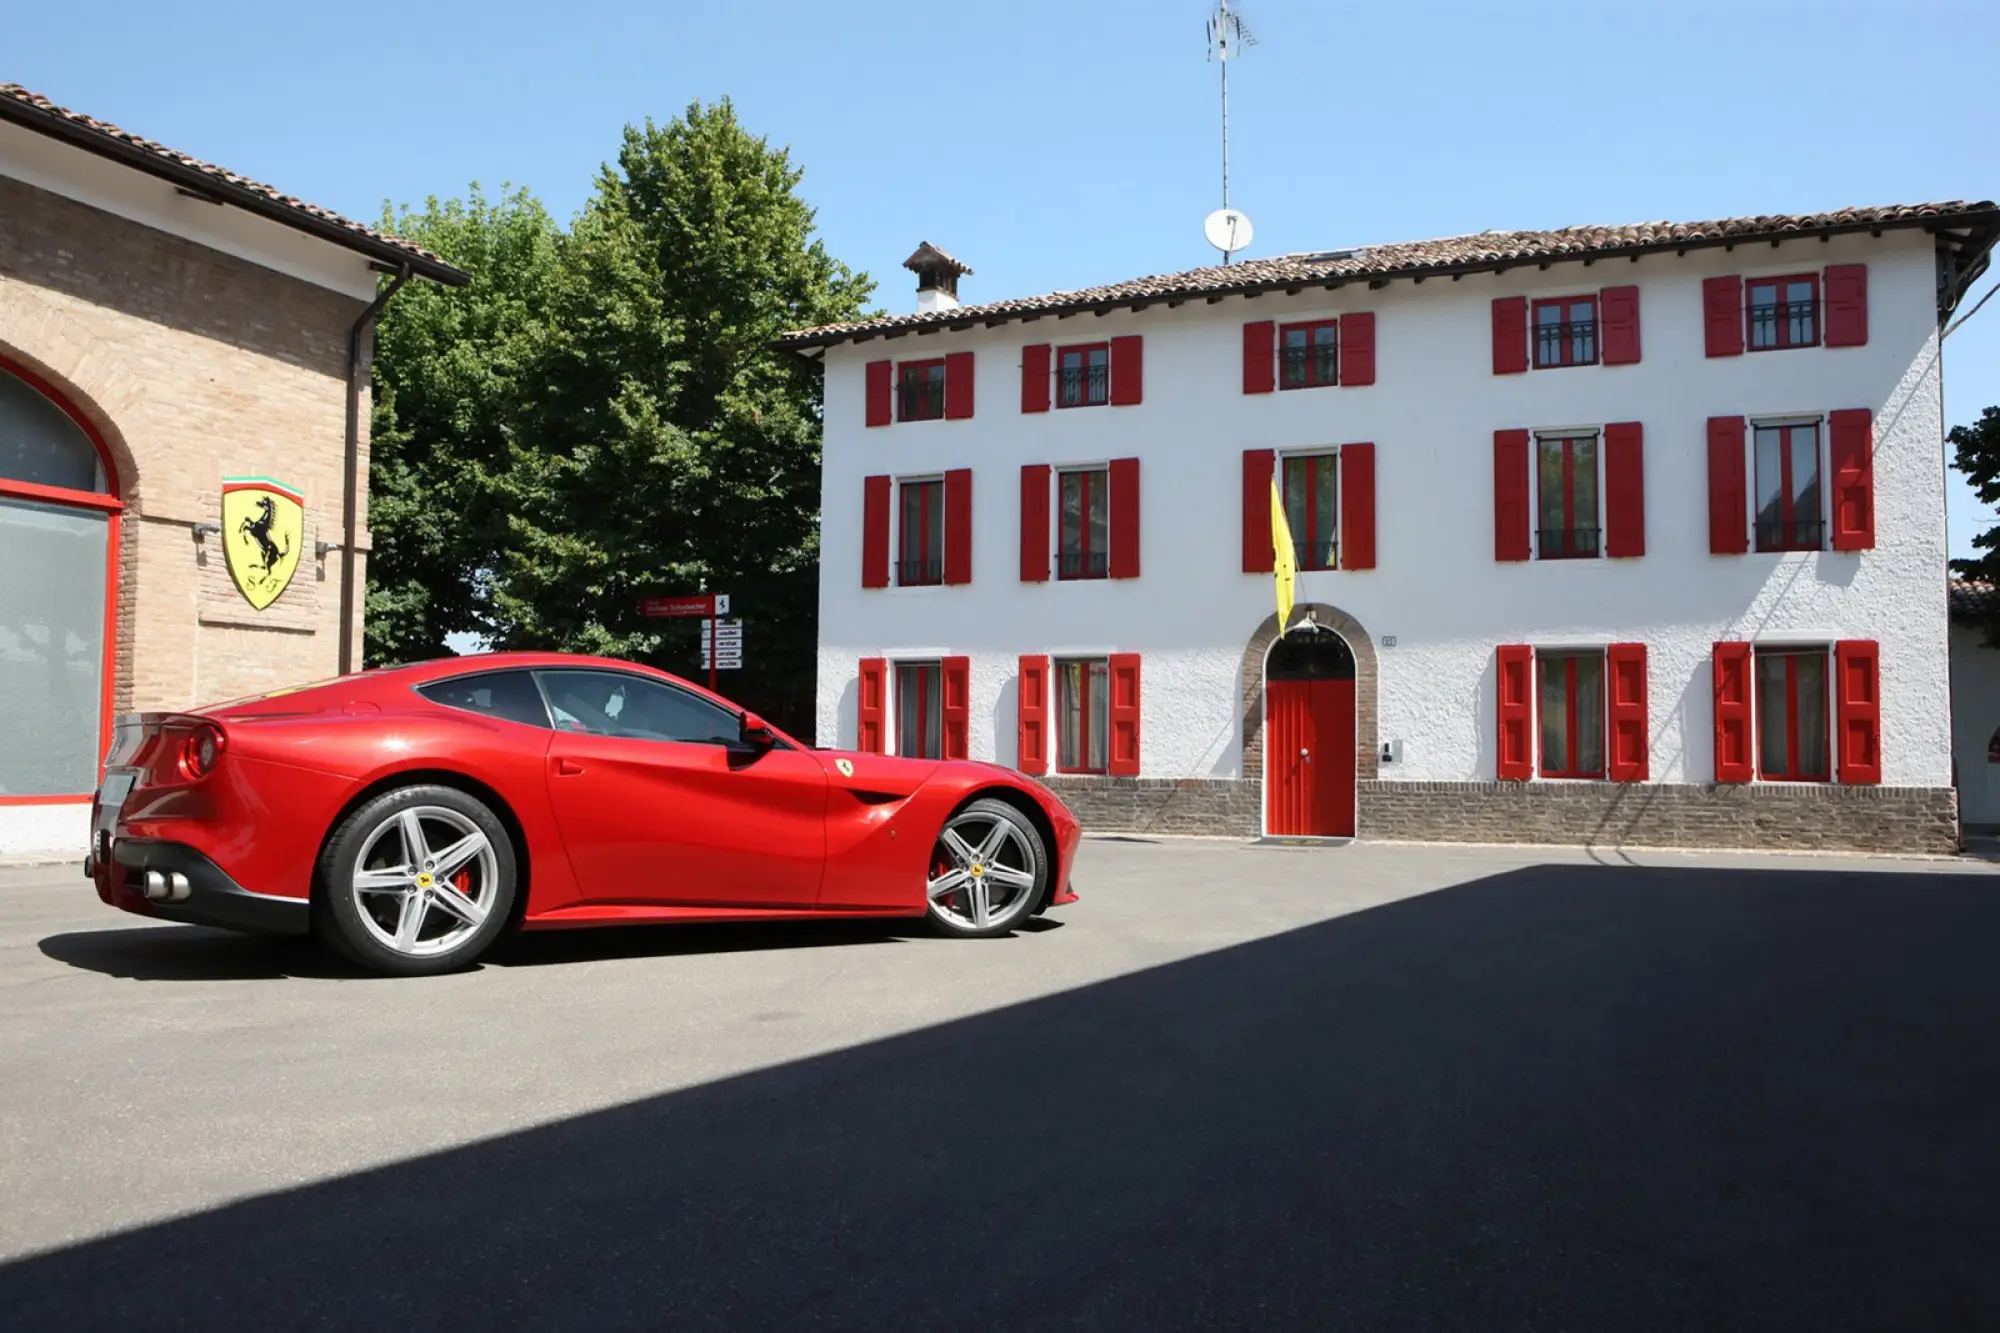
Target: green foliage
[(1976, 453), (604, 420)]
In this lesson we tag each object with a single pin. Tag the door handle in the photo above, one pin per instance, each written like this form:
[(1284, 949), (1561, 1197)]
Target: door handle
[(568, 766)]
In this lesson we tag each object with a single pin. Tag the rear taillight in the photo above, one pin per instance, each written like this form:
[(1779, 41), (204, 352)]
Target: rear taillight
[(200, 751)]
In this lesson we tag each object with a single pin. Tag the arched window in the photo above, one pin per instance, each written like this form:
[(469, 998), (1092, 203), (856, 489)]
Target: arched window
[(58, 609)]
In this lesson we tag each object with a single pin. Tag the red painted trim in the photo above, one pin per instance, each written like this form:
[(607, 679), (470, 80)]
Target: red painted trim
[(1789, 769), (876, 498), (1510, 335), (916, 745), (1572, 713), (1080, 354), (1511, 517), (958, 386), (1624, 490), (1514, 708), (1618, 326), (930, 496), (1788, 538), (1567, 355), (1357, 349), (1781, 322), (1031, 741), (1311, 329), (1123, 693), (1091, 667), (1258, 555), (1728, 494), (1722, 315), (1124, 532), (958, 526), (1846, 312), (955, 706), (1355, 492), (1626, 742), (1857, 698), (1034, 523), (1093, 489), (1733, 682), (1259, 360), (1035, 377), (1303, 470), (1128, 370), (879, 392), (1851, 457), (83, 797), (871, 705), (920, 370), (108, 502)]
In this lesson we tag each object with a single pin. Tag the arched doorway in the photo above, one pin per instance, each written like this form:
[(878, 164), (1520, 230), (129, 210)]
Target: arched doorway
[(58, 606), (1309, 737)]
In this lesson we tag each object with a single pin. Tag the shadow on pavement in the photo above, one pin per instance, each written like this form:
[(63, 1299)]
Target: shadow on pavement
[(1559, 1098)]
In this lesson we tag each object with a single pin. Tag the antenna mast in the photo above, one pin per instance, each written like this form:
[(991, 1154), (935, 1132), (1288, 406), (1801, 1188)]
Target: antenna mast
[(1226, 32)]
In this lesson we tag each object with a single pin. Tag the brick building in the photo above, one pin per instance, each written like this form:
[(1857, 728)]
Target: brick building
[(183, 444), (1607, 534)]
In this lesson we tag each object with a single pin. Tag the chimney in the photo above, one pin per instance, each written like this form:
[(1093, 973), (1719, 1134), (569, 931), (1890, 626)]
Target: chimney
[(937, 278)]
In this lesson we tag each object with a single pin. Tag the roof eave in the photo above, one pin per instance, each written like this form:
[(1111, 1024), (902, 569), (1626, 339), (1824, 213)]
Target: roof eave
[(1984, 225), (391, 257)]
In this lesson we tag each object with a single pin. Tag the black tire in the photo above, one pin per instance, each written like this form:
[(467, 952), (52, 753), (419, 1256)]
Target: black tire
[(1023, 852), (338, 911)]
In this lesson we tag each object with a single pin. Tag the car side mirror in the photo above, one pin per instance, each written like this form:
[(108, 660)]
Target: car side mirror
[(754, 730)]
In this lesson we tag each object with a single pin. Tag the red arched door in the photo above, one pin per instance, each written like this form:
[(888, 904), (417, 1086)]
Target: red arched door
[(1309, 736)]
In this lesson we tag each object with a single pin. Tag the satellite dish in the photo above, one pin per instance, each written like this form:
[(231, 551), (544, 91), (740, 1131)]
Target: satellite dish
[(1227, 229)]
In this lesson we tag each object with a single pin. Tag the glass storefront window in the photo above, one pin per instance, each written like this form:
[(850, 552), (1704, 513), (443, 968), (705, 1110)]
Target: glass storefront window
[(51, 647)]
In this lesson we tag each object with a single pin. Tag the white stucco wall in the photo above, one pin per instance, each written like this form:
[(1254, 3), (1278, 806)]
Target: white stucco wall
[(58, 832), (1975, 716), (1436, 588)]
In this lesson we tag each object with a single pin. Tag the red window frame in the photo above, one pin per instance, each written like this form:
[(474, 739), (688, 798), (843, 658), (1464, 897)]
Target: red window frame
[(1789, 524), (1092, 391), (1083, 563), (1781, 319), (1570, 546), (1321, 370), (108, 503), (929, 677), (924, 389), (927, 572), (1567, 659), (1317, 544), (1565, 348), (1791, 658), (1092, 669)]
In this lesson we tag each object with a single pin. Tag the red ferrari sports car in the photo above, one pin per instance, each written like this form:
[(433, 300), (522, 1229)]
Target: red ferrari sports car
[(408, 816)]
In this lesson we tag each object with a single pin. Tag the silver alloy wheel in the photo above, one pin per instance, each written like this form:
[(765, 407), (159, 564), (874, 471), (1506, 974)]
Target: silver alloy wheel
[(425, 881), (982, 870)]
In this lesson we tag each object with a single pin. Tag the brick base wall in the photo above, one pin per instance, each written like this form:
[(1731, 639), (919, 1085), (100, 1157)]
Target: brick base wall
[(1804, 817)]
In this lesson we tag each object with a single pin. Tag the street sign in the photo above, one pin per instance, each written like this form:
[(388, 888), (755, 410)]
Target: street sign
[(727, 633), (696, 604), (730, 660)]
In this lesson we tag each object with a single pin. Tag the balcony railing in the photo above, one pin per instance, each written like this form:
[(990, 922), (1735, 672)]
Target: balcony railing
[(1082, 565), (1309, 367), (922, 401), (1567, 543), (1578, 336), (917, 573), (1083, 386), (1784, 324), (1798, 535)]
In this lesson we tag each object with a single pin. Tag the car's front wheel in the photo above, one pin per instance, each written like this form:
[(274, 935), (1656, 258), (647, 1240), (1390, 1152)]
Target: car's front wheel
[(988, 872), (416, 881)]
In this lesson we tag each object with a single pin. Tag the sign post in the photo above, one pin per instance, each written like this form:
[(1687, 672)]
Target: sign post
[(705, 605)]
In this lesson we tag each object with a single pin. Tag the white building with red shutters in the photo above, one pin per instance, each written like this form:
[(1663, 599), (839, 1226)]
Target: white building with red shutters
[(1607, 534)]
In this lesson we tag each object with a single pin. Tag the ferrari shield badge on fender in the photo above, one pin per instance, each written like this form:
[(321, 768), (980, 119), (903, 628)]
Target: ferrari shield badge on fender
[(263, 526), (846, 767)]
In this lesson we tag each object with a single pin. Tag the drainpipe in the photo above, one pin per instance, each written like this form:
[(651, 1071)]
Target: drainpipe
[(350, 489)]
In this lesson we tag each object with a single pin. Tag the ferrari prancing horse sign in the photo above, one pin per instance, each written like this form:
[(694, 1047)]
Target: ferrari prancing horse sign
[(263, 526)]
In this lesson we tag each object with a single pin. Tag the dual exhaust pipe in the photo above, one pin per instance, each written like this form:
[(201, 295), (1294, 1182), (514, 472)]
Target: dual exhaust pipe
[(166, 888)]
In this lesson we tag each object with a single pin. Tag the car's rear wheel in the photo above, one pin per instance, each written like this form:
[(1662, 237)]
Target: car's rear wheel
[(988, 872), (416, 881)]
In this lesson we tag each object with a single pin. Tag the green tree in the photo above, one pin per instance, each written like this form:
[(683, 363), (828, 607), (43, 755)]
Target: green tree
[(665, 447), (1976, 450), (452, 368)]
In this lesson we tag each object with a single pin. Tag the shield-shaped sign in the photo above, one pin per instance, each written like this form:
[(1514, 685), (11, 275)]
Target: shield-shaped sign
[(263, 526)]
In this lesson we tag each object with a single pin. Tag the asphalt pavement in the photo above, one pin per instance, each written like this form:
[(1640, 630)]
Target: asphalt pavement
[(1234, 1087)]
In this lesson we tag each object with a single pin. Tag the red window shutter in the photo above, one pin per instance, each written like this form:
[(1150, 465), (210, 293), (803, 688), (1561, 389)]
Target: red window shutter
[(1847, 305), (873, 710), (1510, 495), (1124, 518), (1128, 370), (1510, 335), (1722, 315), (1516, 700), (880, 385), (1035, 378), (957, 386), (1260, 363), (1357, 349), (1032, 731), (1728, 495), (875, 532), (1624, 489), (1734, 758), (958, 525), (1258, 555), (1625, 669), (1034, 523), (1618, 307), (1124, 715), (1357, 507), (1851, 451), (955, 709), (1857, 707)]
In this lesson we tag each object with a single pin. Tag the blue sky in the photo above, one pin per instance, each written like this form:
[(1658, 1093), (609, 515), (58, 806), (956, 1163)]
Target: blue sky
[(1059, 145)]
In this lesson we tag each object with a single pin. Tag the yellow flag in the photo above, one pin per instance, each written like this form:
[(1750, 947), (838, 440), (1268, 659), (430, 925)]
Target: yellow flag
[(1285, 561)]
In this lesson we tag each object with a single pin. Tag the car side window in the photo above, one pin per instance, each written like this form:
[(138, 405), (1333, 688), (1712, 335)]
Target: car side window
[(611, 703), (504, 694)]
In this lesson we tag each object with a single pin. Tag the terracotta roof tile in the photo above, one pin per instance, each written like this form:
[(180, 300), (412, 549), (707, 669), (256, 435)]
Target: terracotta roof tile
[(1486, 250), (1974, 599), (35, 111)]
